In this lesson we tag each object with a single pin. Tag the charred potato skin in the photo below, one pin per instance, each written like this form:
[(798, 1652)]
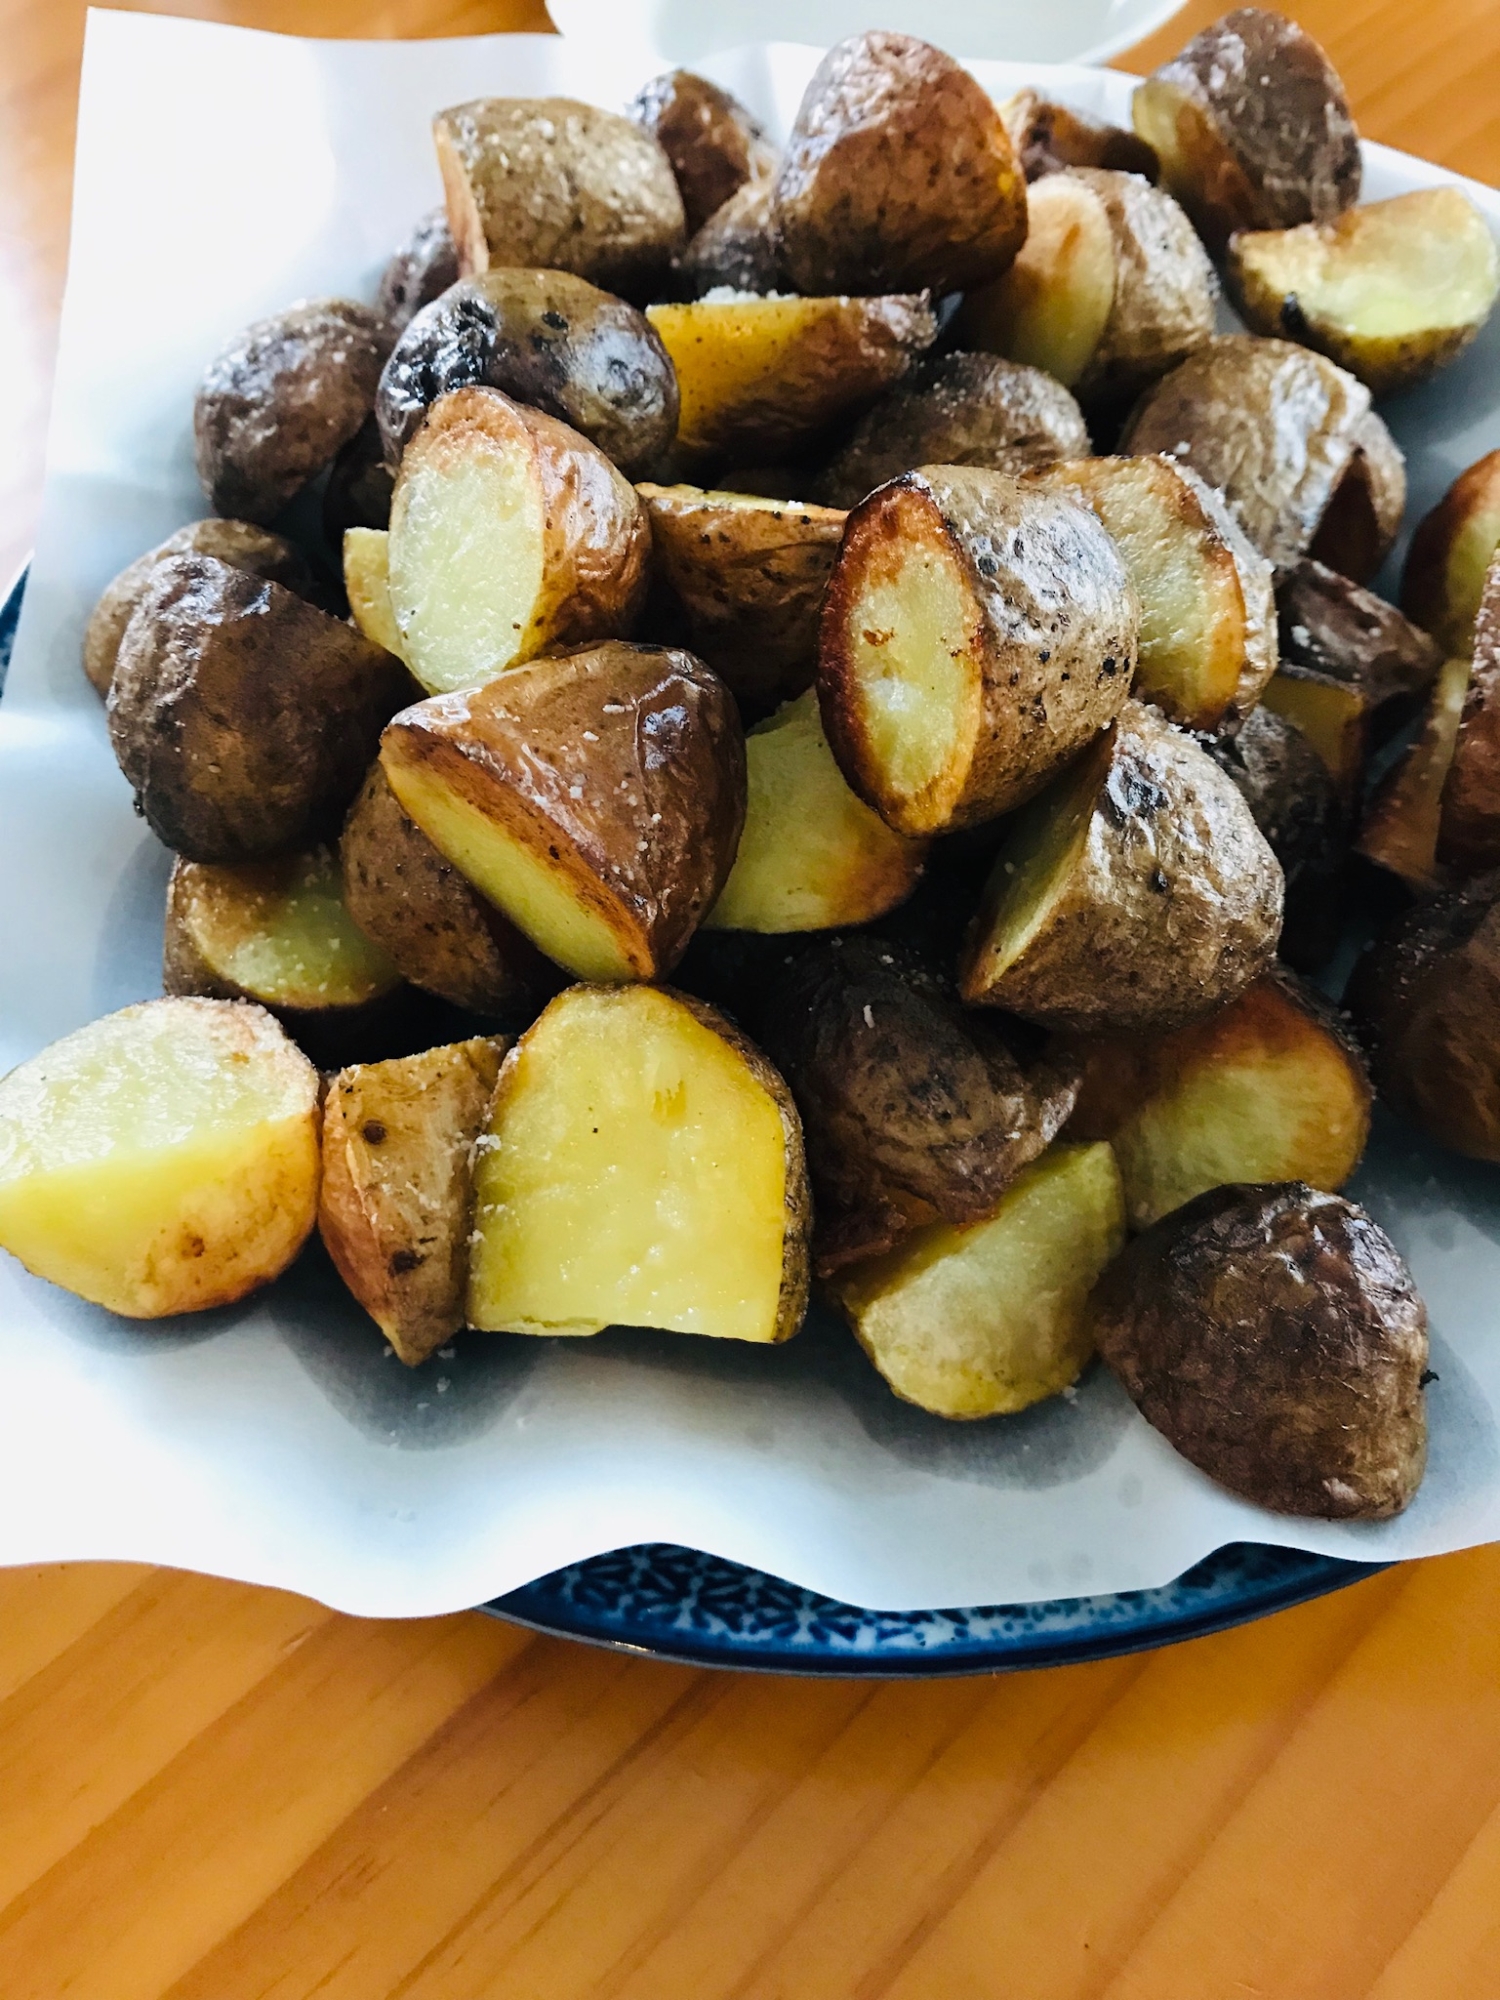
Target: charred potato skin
[(279, 400), (1049, 137), (419, 272), (1274, 1337), (549, 340), (898, 175), (1333, 626), (739, 245), (713, 143), (244, 718)]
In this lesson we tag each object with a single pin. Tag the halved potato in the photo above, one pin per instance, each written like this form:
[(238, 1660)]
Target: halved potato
[(367, 585), (642, 1166), (596, 799), (397, 1202), (812, 856), (760, 376), (1049, 136), (162, 1160), (1400, 830), (1450, 554), (1393, 291), (1208, 614), (984, 1320), (977, 632), (1137, 893), (510, 533), (1333, 715)]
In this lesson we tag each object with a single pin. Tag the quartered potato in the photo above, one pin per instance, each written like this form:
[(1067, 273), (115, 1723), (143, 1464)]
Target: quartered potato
[(714, 144), (1334, 715), (367, 585), (162, 1160), (1393, 291), (1048, 136), (1450, 554), (1335, 627), (642, 1166), (1400, 829), (985, 1319)]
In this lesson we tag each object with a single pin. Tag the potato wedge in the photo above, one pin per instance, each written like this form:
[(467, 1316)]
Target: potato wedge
[(642, 1166), (367, 585), (596, 799), (1450, 555), (1363, 519), (1137, 893), (1400, 829), (1252, 127), (985, 1319), (1393, 291), (552, 184), (712, 141), (162, 1160), (812, 856), (397, 1201), (1274, 1337), (1335, 627), (957, 409), (749, 576), (1208, 629), (1110, 291), (977, 633), (510, 534), (419, 272), (244, 718), (1334, 716), (1468, 837), (898, 176), (738, 247), (1048, 136), (761, 376)]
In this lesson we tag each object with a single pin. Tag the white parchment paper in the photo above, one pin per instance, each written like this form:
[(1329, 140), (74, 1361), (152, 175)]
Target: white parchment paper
[(221, 174)]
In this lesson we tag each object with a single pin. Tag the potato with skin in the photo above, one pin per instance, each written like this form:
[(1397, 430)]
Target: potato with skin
[(552, 184), (596, 799), (162, 1160), (419, 272), (1469, 817), (957, 409), (1252, 127), (1137, 893), (1450, 555), (1274, 1337), (360, 485), (397, 1197), (1393, 292), (244, 719), (238, 543), (548, 339), (1048, 136), (1334, 716), (738, 247), (510, 535), (278, 402), (1400, 828), (898, 176), (713, 143), (977, 633), (643, 1166), (1333, 626)]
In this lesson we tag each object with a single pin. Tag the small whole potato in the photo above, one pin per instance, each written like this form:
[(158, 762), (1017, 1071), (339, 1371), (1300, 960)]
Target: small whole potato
[(714, 144), (420, 271)]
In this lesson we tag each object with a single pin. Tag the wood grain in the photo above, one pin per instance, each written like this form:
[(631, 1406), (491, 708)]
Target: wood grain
[(214, 1793)]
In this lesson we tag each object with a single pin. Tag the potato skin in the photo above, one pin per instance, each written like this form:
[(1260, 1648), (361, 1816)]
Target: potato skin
[(419, 272), (739, 245), (1165, 290), (713, 143), (1442, 602), (279, 400), (898, 176), (244, 718), (1363, 518), (957, 409), (549, 340), (1048, 137), (1334, 626), (1469, 824), (360, 485), (554, 184), (1274, 1337)]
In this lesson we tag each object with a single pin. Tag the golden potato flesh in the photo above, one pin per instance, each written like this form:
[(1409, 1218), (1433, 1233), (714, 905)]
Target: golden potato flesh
[(643, 1167), (367, 584), (162, 1160), (1450, 555), (1053, 304), (1392, 292), (1333, 715), (985, 1320)]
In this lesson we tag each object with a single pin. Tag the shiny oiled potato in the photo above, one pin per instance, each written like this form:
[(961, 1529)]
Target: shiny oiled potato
[(714, 144), (1450, 555), (420, 271), (1400, 828)]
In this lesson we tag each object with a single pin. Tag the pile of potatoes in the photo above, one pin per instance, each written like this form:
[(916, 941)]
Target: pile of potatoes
[(764, 718)]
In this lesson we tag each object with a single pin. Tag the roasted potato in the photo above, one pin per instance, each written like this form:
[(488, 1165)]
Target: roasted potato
[(1137, 893), (278, 402), (1450, 554), (1110, 290), (957, 409), (1334, 627), (547, 339), (367, 585), (916, 1110), (738, 247), (1363, 519), (597, 799), (763, 376), (1334, 716), (510, 534), (360, 484), (1252, 127), (1208, 624), (1048, 136), (977, 633), (748, 576), (237, 543), (642, 1166), (244, 718), (898, 176), (713, 143), (1274, 1337), (1400, 829), (1425, 997), (984, 1319), (419, 272), (397, 1200), (1393, 292), (812, 856), (552, 184), (1469, 819), (162, 1160)]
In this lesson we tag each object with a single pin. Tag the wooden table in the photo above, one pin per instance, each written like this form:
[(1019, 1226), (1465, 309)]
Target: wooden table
[(217, 1793)]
